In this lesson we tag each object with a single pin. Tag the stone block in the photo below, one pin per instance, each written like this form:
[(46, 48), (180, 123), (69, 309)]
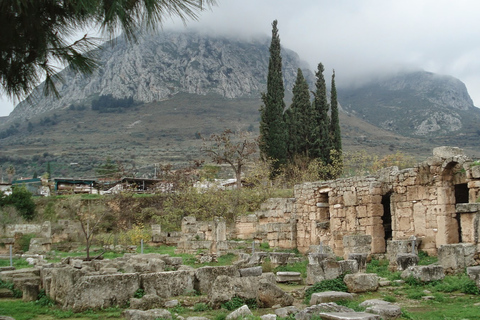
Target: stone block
[(205, 276), (147, 302), (454, 258), (250, 272), (240, 313), (286, 311), (348, 266), (361, 259), (405, 260), (102, 291), (30, 291), (329, 296), (270, 294), (386, 311), (152, 314), (309, 312), (348, 316), (474, 273), (168, 284), (289, 277), (326, 269), (425, 273), (361, 282), (446, 152)]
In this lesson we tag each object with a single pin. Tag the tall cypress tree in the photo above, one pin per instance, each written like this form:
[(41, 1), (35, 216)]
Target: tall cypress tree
[(273, 134), (335, 123), (322, 143), (301, 120)]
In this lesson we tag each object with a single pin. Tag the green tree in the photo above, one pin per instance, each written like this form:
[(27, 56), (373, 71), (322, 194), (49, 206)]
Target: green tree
[(300, 120), (36, 34), (273, 131), (335, 122), (107, 170), (322, 144), (22, 200)]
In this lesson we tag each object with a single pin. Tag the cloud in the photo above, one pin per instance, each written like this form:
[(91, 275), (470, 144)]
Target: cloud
[(360, 38)]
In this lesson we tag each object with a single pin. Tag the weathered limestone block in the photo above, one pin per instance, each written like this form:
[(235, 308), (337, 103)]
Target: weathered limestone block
[(286, 311), (307, 313), (446, 152), (270, 295), (425, 273), (240, 313), (386, 311), (280, 258), (30, 291), (326, 269), (59, 282), (40, 245), (250, 272), (102, 291), (395, 247), (405, 260), (147, 302), (225, 288), (348, 316), (205, 276), (168, 284), (357, 244), (361, 282), (348, 266), (454, 258), (269, 316), (474, 274), (289, 277), (373, 302), (316, 258), (361, 259), (329, 296), (152, 314)]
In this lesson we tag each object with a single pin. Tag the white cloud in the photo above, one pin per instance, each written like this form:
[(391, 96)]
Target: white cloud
[(357, 37)]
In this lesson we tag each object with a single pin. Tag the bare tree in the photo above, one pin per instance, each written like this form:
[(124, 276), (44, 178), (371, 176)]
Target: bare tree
[(232, 148), (90, 214)]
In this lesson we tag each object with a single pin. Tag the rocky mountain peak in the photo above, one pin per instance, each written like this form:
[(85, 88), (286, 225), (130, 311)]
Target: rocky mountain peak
[(156, 67)]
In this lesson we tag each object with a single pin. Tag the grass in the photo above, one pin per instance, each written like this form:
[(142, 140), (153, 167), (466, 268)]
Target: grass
[(18, 263), (20, 310)]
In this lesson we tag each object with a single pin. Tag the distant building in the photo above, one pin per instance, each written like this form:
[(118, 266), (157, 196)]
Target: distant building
[(6, 188), (75, 186), (33, 185)]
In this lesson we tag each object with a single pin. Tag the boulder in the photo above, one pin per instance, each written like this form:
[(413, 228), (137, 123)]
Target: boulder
[(280, 258), (424, 273), (147, 302), (102, 291), (308, 312), (241, 312), (168, 284), (373, 302), (269, 316), (270, 295), (205, 276), (329, 296), (361, 282), (152, 314), (171, 303)]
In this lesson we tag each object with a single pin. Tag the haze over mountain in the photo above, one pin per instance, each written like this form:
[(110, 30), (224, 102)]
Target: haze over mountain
[(167, 91)]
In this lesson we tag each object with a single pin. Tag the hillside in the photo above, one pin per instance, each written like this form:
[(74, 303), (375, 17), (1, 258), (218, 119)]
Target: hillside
[(167, 92)]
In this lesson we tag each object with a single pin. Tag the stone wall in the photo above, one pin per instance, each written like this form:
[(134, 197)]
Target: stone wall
[(43, 230)]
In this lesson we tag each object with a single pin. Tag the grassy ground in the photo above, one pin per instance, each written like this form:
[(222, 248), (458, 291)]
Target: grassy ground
[(453, 298)]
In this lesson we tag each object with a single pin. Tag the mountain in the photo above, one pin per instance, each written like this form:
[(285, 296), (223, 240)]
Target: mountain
[(157, 67), (152, 102), (414, 104)]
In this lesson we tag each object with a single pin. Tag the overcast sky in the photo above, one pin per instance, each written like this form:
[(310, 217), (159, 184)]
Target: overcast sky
[(359, 37)]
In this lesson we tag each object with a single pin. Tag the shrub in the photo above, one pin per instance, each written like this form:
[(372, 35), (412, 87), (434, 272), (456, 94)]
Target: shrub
[(201, 306), (336, 284), (44, 300), (237, 302), (22, 200), (24, 241), (139, 293), (391, 299)]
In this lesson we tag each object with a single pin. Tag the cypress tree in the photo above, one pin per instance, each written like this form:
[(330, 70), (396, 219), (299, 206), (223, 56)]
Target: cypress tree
[(301, 125), (273, 134), (335, 123), (322, 144)]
